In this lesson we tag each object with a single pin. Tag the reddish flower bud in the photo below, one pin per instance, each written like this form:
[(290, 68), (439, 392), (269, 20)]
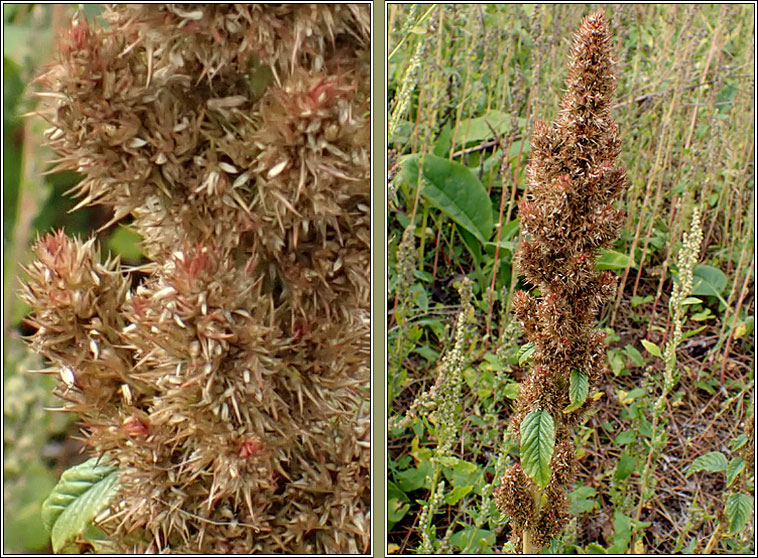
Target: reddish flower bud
[(250, 448)]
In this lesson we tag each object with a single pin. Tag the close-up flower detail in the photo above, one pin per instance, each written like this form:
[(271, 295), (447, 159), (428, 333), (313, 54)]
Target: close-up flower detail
[(228, 377)]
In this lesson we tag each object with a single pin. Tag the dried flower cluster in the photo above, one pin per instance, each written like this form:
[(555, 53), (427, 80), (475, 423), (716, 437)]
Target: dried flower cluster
[(567, 217), (231, 384)]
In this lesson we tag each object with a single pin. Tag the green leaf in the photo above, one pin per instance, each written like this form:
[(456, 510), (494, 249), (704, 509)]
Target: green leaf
[(625, 437), (427, 352), (504, 245), (477, 129), (524, 352), (738, 509), (622, 533), (511, 390), (420, 297), (708, 281), (639, 300), (691, 300), (82, 492), (473, 540), (452, 497), (714, 462), (582, 500), (634, 355), (692, 332), (393, 491), (579, 387), (99, 540), (396, 510), (444, 142), (616, 361), (627, 398), (125, 242), (610, 259), (474, 247), (706, 314), (652, 348), (735, 467), (413, 479), (259, 77), (479, 381), (424, 276), (537, 445), (463, 473), (594, 548), (738, 442), (510, 229), (454, 190), (708, 386), (626, 465)]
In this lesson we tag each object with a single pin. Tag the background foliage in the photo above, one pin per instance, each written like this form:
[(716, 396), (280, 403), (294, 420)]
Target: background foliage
[(465, 85)]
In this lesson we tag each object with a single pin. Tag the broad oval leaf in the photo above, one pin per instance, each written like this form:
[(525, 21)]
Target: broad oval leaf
[(735, 467), (714, 461), (708, 281), (579, 387), (454, 190), (537, 445), (652, 348), (738, 509), (82, 492)]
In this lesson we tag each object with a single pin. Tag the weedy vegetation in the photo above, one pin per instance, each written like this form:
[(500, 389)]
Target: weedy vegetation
[(637, 401)]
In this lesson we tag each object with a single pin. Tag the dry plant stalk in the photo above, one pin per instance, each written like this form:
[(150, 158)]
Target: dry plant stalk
[(231, 384), (567, 217)]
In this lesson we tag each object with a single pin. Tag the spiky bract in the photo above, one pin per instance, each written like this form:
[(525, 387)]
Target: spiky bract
[(231, 384), (567, 216)]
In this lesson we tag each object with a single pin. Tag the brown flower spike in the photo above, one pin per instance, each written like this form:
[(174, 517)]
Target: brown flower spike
[(231, 384), (567, 217)]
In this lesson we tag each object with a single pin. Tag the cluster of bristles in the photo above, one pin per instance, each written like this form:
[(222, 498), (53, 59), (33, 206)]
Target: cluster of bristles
[(231, 385), (567, 217)]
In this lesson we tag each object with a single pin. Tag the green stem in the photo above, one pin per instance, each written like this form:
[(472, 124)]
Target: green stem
[(643, 481)]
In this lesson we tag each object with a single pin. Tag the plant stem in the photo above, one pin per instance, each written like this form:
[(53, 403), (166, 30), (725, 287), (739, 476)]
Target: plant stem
[(643, 483), (715, 538), (528, 546)]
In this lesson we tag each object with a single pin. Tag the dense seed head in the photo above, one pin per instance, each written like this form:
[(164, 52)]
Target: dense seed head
[(566, 218), (231, 384)]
